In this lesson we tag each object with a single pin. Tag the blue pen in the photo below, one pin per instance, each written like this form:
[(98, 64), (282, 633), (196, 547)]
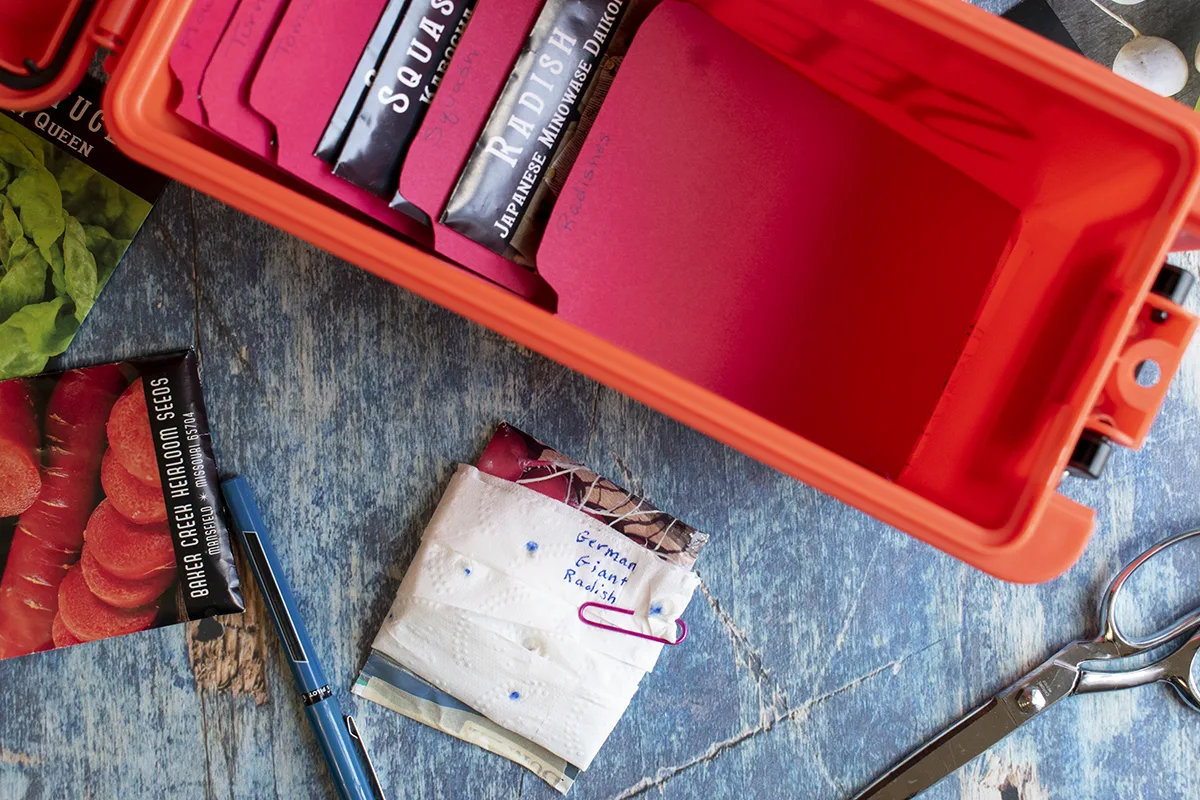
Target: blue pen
[(348, 764)]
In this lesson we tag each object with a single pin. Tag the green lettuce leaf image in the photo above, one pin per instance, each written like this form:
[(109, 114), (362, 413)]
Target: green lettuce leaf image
[(73, 178), (63, 229), (35, 195), (106, 248), (15, 356), (58, 270), (10, 230), (13, 151), (31, 336), (25, 280), (82, 280), (46, 329), (39, 148), (132, 216)]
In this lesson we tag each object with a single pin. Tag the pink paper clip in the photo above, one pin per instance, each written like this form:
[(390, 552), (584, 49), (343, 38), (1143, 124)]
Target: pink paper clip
[(682, 626)]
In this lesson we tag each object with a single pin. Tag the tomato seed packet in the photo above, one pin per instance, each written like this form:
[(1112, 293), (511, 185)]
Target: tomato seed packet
[(110, 517), (70, 203)]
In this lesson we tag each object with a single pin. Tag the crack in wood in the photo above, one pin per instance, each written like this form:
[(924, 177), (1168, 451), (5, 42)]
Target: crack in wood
[(205, 303), (665, 774), (772, 698)]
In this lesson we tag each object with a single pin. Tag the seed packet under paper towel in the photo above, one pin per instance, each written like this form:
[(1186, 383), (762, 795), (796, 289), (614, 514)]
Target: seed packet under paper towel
[(484, 642), (70, 203)]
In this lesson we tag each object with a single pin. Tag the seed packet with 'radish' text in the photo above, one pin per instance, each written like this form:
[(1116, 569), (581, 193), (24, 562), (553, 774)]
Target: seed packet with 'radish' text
[(522, 158), (514, 456), (110, 517)]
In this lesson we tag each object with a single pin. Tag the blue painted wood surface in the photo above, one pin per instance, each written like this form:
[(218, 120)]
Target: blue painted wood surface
[(824, 645)]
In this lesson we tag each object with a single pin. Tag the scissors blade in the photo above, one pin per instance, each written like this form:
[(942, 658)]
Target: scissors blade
[(971, 736), (967, 739)]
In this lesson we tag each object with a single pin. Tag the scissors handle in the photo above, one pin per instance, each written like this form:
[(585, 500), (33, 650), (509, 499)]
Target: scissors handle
[(1174, 669), (1110, 629)]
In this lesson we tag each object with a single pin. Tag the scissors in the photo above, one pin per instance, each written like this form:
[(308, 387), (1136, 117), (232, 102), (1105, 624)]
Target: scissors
[(1071, 671)]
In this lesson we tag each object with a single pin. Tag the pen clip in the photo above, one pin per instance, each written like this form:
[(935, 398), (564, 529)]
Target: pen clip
[(352, 727), (273, 596)]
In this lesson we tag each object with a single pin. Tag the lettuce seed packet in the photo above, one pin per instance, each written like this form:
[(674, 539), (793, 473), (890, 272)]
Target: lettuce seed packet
[(70, 203)]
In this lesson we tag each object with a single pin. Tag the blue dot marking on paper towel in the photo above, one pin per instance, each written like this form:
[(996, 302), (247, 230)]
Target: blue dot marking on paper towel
[(466, 570), (531, 547), (514, 696), (656, 610)]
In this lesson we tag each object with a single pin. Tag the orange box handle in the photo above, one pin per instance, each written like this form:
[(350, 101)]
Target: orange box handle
[(1128, 405), (1189, 237)]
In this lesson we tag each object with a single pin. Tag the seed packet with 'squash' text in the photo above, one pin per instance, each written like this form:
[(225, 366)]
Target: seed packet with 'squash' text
[(521, 161), (395, 105), (110, 516), (334, 136), (70, 203)]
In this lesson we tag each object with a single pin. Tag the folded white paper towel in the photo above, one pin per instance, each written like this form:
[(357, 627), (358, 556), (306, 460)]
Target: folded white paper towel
[(488, 612)]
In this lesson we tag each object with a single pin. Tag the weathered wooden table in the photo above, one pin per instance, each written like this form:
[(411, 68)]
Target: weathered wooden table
[(824, 645)]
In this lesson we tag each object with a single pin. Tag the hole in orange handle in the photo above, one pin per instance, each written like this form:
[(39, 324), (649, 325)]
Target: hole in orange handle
[(1147, 373)]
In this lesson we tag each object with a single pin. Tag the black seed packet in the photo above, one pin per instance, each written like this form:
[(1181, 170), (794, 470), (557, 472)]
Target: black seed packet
[(532, 138), (330, 145), (111, 521), (399, 96)]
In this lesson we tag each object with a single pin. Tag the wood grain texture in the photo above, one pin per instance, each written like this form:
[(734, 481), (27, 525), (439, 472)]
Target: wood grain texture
[(824, 645), (228, 654)]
